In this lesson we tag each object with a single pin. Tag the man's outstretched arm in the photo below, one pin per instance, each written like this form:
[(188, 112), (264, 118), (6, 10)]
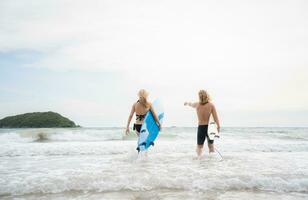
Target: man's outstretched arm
[(193, 105)]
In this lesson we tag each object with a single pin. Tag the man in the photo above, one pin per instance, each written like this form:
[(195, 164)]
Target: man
[(204, 110)]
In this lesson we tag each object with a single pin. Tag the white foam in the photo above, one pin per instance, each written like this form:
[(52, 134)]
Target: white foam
[(94, 161), (99, 181), (14, 137)]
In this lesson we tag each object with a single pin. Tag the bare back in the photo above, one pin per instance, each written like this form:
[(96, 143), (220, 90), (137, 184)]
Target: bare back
[(140, 110), (204, 113)]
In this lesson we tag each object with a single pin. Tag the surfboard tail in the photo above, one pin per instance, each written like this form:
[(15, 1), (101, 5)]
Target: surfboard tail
[(142, 144)]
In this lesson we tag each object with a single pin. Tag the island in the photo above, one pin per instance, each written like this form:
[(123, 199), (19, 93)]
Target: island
[(37, 120)]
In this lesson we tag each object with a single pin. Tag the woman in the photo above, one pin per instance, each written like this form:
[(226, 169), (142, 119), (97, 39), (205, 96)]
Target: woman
[(204, 110), (141, 107)]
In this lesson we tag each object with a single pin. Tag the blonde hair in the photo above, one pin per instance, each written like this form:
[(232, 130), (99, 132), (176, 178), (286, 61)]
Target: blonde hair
[(143, 98), (204, 97)]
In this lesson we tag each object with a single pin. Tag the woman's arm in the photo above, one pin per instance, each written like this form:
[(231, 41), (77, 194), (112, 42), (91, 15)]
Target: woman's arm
[(155, 117), (193, 105), (130, 119), (215, 116)]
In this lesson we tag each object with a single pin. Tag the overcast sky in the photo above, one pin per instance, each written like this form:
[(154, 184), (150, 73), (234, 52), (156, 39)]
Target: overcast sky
[(88, 59)]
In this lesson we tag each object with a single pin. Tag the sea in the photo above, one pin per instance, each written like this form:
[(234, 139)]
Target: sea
[(101, 163)]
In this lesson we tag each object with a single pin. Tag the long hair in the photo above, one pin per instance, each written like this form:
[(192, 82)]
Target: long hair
[(204, 97), (143, 98)]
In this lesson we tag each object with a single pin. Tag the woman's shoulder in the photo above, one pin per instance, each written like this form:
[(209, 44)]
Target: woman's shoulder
[(149, 106)]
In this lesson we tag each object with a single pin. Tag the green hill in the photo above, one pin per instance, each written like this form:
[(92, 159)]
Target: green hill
[(36, 120)]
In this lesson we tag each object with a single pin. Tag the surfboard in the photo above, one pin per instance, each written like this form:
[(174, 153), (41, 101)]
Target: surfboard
[(149, 129), (212, 129)]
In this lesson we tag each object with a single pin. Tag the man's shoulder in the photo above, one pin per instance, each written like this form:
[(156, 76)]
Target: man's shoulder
[(211, 104)]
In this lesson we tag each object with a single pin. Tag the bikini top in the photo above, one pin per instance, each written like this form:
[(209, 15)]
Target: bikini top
[(140, 117)]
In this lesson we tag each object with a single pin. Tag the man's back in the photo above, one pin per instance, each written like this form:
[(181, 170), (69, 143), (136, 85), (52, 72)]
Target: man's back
[(204, 113)]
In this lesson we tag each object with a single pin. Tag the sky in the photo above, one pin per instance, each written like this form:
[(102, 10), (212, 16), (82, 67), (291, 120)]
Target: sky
[(87, 59)]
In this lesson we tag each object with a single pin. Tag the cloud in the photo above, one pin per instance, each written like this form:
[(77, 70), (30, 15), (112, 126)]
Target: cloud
[(123, 35), (249, 55)]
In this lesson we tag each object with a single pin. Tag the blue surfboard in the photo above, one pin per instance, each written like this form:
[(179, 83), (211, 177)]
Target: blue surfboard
[(149, 129)]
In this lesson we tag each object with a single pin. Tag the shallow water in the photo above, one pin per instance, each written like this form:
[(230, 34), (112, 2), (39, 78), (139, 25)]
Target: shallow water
[(98, 163)]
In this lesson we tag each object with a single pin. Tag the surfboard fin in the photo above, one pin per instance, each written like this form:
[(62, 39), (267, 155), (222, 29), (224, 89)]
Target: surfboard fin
[(142, 144), (152, 143)]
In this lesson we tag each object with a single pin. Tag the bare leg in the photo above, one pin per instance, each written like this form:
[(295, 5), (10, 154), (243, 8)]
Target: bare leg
[(199, 150), (211, 147)]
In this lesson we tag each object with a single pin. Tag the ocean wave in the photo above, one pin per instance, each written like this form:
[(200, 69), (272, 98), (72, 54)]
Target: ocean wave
[(98, 182), (15, 137), (57, 161), (69, 135), (53, 149), (105, 134), (49, 135), (81, 148)]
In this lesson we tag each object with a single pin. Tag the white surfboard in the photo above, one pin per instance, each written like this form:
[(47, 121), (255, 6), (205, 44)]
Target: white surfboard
[(212, 129)]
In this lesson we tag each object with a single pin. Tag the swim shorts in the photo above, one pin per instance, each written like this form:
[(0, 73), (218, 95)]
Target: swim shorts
[(202, 134)]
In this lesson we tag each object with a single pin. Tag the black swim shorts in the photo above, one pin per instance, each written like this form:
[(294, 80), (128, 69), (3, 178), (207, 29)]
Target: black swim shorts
[(202, 134)]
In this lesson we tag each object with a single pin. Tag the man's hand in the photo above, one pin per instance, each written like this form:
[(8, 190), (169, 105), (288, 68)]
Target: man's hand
[(193, 105), (218, 128)]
